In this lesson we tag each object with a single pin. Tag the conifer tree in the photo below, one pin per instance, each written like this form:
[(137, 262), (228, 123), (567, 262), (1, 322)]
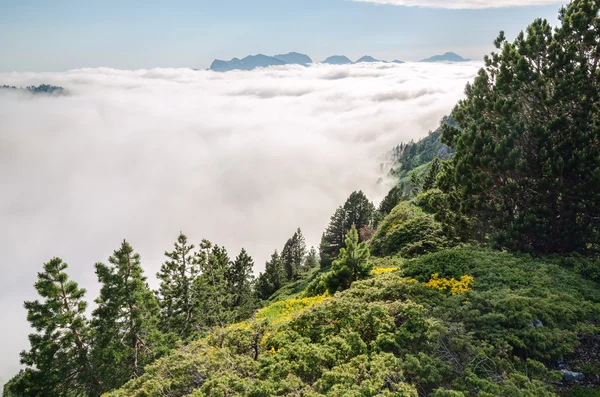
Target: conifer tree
[(125, 320), (215, 302), (177, 296), (293, 254), (312, 259), (239, 283), (352, 264), (333, 238), (299, 250), (527, 165), (357, 211), (272, 279), (58, 361)]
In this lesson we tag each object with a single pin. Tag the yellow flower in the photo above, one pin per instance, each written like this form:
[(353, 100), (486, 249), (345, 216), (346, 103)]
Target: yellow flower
[(381, 270), (456, 287)]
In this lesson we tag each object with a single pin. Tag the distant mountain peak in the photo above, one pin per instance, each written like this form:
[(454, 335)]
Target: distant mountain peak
[(252, 62), (368, 58), (294, 58), (338, 60), (447, 57)]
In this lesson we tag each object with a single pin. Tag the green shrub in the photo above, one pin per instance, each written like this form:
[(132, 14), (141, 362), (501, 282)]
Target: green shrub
[(408, 231), (391, 335)]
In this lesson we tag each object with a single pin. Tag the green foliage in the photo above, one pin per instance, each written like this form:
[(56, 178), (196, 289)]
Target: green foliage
[(390, 335), (352, 264), (177, 296), (579, 391), (357, 211), (293, 254), (215, 303), (125, 336), (272, 279), (413, 161), (528, 148), (393, 198), (312, 259), (58, 360), (408, 231), (239, 285)]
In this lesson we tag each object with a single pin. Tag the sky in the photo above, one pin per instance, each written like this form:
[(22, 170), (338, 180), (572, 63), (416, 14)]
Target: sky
[(39, 35)]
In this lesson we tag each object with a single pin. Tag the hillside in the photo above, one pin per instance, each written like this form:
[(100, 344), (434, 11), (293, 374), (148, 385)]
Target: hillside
[(504, 332), (413, 159), (39, 89)]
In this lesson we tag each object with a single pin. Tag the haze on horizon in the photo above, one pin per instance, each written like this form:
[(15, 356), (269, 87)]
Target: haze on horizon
[(70, 34)]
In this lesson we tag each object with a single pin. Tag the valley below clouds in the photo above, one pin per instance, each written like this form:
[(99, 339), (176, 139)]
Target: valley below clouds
[(239, 158)]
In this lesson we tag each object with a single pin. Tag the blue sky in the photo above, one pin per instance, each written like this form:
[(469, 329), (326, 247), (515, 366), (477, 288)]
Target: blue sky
[(65, 34)]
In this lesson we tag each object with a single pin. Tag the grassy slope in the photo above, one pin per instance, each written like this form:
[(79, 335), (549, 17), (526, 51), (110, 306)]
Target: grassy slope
[(394, 335)]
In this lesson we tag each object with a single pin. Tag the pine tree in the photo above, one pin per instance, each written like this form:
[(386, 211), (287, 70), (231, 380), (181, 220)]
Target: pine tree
[(352, 264), (393, 198), (333, 238), (125, 319), (293, 254), (215, 302), (527, 165), (299, 250), (239, 283), (357, 211), (58, 361), (176, 295), (272, 279), (312, 259)]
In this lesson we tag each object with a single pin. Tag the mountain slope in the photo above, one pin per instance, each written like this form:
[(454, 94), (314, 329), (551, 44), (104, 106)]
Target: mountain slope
[(368, 59), (294, 58), (251, 62), (338, 60), (447, 57), (499, 327)]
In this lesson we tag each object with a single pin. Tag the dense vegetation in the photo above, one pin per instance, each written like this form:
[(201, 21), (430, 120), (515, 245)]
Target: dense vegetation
[(39, 89), (480, 278)]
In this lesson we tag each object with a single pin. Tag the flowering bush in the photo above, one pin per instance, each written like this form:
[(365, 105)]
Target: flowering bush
[(455, 287)]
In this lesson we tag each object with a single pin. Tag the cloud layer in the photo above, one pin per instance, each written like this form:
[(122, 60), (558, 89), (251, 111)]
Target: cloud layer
[(465, 4), (241, 158)]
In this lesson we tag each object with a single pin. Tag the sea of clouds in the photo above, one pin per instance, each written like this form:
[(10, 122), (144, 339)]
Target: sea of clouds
[(239, 158)]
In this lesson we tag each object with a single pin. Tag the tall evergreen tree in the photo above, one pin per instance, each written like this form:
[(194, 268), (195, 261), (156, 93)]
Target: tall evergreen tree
[(293, 254), (58, 361), (239, 283), (357, 211), (312, 259), (125, 320), (272, 279), (352, 264), (177, 296), (528, 146), (215, 302), (333, 238)]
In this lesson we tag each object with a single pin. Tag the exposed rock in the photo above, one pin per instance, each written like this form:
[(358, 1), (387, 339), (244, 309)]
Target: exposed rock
[(570, 376)]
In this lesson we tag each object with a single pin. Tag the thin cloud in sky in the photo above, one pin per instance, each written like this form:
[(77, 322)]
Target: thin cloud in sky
[(465, 4)]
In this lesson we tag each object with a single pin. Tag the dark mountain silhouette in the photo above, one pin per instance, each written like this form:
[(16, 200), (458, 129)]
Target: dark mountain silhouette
[(447, 57), (294, 58), (368, 58), (249, 63), (338, 60)]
